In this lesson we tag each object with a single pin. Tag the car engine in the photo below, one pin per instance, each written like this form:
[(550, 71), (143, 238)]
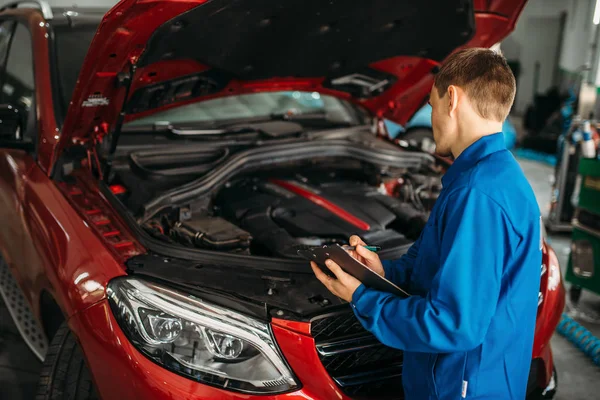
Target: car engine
[(276, 215)]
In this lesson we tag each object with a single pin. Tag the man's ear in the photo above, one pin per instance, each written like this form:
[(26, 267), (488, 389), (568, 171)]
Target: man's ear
[(452, 98)]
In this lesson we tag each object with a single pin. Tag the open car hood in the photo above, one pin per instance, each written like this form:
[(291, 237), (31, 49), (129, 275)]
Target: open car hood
[(150, 55)]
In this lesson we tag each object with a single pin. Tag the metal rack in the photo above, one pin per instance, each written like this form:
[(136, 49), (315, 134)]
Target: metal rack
[(43, 5), (561, 209)]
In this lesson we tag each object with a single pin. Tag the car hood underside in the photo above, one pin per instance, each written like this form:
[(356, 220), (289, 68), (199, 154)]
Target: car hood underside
[(150, 55)]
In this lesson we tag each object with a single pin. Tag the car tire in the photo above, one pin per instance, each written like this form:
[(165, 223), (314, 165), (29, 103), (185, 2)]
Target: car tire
[(421, 138), (65, 374)]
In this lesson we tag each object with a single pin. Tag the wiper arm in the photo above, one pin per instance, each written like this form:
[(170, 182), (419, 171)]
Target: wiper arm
[(253, 125), (268, 129), (167, 127), (308, 116), (205, 132)]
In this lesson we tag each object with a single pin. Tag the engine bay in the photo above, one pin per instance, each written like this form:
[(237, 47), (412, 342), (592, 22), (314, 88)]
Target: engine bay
[(281, 205), (273, 212)]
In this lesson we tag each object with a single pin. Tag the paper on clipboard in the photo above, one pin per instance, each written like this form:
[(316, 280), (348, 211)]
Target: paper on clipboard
[(352, 266)]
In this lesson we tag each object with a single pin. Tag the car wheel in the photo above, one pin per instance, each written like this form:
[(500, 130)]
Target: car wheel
[(64, 374), (421, 138)]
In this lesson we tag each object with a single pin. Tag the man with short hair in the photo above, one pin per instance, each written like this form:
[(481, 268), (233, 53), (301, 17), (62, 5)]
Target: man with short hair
[(474, 273)]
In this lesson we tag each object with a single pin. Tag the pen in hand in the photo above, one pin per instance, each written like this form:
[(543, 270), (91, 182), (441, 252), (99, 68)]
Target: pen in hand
[(374, 249)]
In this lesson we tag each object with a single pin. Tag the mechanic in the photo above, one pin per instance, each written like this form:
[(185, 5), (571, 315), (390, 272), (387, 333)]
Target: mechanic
[(474, 273)]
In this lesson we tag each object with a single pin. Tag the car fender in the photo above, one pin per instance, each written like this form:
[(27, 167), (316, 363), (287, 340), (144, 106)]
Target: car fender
[(60, 252)]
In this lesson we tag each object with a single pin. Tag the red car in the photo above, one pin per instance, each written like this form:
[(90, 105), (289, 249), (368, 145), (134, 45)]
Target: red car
[(155, 194)]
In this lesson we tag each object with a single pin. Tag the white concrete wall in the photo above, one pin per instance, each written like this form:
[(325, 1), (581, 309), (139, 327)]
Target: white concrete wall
[(536, 40), (512, 46), (578, 34)]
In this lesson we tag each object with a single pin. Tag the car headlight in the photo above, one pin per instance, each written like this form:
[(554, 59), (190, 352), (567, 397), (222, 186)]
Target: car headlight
[(199, 340)]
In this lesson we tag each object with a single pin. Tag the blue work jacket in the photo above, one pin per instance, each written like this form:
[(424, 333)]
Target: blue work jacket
[(474, 276)]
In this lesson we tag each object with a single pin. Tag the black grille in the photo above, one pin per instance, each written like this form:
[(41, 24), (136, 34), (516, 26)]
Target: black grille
[(355, 361), (361, 366), (388, 389), (588, 219), (335, 327)]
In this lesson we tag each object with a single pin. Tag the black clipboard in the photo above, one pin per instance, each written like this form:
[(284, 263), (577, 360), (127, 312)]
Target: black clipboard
[(352, 266)]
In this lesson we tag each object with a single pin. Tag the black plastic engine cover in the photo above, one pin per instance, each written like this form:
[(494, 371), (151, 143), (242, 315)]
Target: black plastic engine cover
[(285, 215)]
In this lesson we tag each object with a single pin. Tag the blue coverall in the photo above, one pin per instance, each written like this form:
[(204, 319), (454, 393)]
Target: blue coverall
[(474, 275)]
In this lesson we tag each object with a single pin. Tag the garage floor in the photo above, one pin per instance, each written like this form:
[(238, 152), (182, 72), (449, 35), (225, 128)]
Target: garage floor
[(578, 377)]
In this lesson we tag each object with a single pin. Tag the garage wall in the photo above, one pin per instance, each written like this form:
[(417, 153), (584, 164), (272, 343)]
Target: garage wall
[(578, 34), (536, 40), (578, 49)]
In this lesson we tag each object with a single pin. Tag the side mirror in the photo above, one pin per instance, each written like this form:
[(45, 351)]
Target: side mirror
[(11, 123)]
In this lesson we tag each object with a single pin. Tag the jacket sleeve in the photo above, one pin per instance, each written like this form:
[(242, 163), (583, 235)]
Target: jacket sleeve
[(456, 313), (399, 271)]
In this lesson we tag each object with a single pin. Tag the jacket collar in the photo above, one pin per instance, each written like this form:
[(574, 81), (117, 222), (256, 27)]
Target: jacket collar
[(472, 155)]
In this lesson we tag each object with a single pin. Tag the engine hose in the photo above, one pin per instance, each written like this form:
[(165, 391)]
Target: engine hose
[(580, 337)]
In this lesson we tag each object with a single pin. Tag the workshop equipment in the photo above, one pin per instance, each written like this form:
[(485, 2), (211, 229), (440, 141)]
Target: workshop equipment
[(580, 337), (583, 270), (561, 208)]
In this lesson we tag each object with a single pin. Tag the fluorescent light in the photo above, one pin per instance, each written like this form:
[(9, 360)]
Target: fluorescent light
[(597, 13)]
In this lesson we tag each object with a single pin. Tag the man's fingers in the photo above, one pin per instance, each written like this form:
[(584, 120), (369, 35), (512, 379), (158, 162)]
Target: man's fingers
[(326, 280), (366, 254), (353, 253), (360, 251), (356, 241), (336, 269), (318, 273), (343, 287)]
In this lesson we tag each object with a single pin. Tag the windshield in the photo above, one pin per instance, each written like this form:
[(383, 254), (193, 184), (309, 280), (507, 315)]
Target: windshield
[(71, 44), (267, 105)]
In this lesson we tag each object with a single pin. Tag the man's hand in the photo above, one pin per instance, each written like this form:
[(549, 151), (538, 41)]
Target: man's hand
[(343, 287), (367, 257)]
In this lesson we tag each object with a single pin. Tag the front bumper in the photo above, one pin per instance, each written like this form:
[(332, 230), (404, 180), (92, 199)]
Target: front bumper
[(120, 371), (539, 386)]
